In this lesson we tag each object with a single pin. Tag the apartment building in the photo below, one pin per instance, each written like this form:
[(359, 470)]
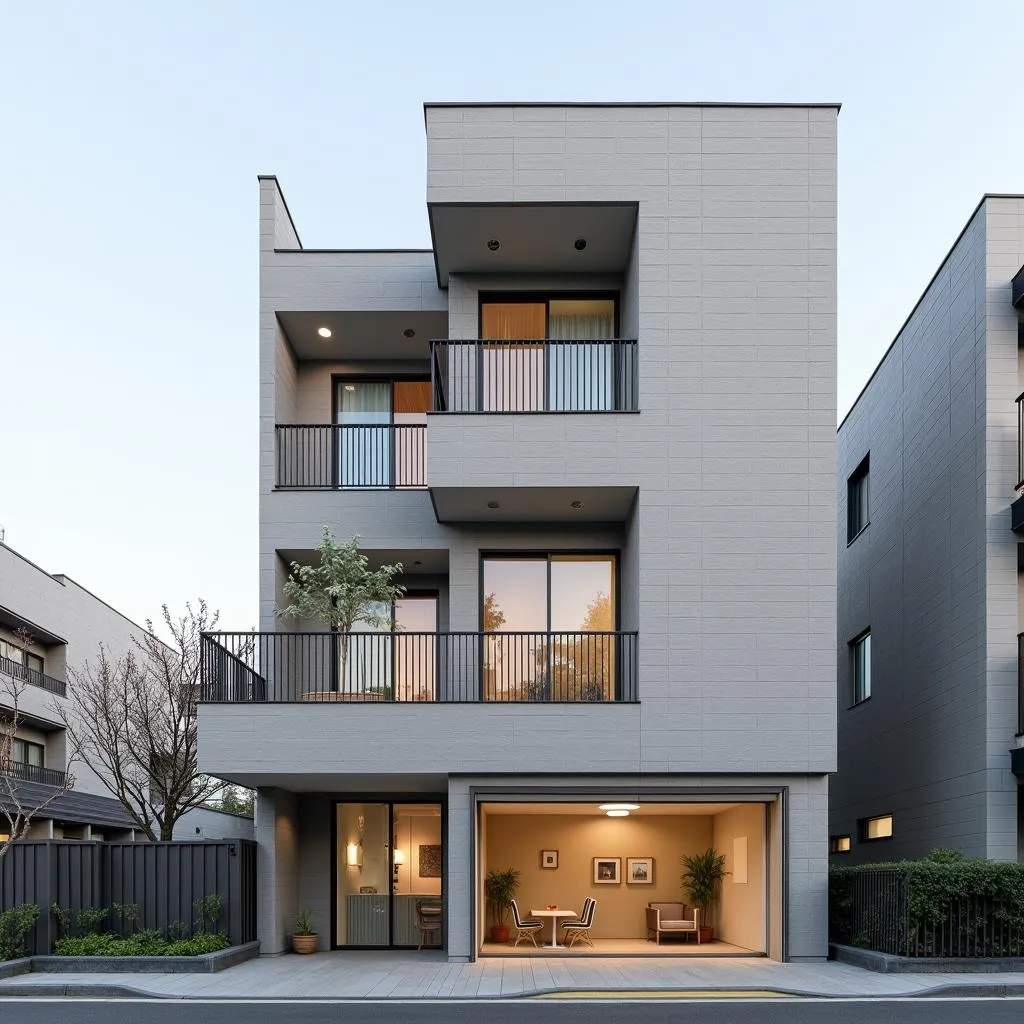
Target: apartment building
[(595, 424), (931, 592)]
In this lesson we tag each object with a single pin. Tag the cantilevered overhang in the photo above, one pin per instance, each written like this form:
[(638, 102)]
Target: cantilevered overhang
[(1017, 289), (537, 238), (532, 504), (364, 334), (11, 620)]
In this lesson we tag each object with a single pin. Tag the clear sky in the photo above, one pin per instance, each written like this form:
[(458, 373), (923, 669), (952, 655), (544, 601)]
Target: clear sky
[(131, 135)]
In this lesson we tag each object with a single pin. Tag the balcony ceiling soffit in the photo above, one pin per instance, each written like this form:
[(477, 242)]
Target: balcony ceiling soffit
[(363, 334)]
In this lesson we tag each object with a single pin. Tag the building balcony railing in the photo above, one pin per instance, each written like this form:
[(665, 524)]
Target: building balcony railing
[(335, 456), (29, 675), (534, 376), (33, 773), (407, 667)]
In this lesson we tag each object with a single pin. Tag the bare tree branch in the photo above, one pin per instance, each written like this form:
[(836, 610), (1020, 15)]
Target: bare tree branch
[(135, 719)]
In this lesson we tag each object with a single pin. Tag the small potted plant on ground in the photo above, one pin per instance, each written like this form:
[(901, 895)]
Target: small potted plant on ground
[(702, 875), (304, 939), (500, 888)]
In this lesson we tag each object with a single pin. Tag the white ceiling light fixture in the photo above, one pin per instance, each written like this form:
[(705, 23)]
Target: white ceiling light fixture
[(618, 807), (324, 332), (617, 814)]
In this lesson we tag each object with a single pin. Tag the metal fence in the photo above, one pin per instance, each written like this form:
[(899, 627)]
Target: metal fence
[(876, 909), (578, 667), (163, 880), (534, 376), (26, 772), (337, 456)]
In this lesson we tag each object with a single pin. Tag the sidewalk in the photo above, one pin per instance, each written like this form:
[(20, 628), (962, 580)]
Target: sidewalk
[(396, 975)]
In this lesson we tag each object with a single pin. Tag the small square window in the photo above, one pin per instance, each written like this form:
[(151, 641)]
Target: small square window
[(857, 516), (839, 844), (861, 648), (880, 827)]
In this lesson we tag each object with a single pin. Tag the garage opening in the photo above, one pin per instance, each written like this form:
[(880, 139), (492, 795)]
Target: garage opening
[(607, 878)]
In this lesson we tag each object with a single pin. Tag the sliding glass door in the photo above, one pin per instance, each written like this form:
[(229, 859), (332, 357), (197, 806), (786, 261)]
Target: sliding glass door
[(549, 623)]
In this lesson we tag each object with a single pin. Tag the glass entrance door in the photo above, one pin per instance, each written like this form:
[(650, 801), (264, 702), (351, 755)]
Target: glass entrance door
[(389, 874)]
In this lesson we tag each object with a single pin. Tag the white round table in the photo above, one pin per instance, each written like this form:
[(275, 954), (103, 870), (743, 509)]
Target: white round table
[(554, 915)]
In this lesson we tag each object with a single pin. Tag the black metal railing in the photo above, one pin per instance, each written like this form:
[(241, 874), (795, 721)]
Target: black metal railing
[(32, 773), (403, 667), (534, 376), (906, 912), (34, 678), (1020, 443), (331, 456), (1020, 684)]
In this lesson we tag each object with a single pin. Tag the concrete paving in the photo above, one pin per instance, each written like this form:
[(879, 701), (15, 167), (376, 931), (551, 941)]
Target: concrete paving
[(401, 975)]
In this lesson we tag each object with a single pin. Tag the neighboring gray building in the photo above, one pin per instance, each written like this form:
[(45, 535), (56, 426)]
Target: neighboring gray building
[(595, 422), (931, 598)]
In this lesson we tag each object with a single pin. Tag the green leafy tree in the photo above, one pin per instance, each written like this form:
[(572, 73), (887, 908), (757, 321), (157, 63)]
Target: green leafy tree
[(237, 800), (342, 591)]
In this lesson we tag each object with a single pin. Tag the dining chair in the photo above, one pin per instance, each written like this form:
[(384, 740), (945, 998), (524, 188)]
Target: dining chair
[(575, 930), (526, 928), (429, 917)]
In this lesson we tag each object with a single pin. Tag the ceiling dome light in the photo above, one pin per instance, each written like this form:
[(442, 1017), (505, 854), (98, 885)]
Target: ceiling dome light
[(493, 244), (324, 332), (409, 333), (576, 506), (493, 504), (618, 807), (580, 244), (617, 814)]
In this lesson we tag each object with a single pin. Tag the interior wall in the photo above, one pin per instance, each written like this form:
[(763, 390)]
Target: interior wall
[(515, 840), (314, 395), (413, 829), (740, 912)]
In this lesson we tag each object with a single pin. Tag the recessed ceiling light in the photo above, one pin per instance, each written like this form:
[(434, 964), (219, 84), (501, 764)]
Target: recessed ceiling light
[(409, 332), (350, 387), (417, 562), (493, 244), (324, 332), (580, 244), (576, 506), (618, 807), (617, 814), (493, 504)]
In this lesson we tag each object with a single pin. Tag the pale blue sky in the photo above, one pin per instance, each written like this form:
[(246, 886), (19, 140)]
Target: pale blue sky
[(132, 133)]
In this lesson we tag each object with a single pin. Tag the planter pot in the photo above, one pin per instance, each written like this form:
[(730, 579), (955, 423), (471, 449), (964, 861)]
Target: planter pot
[(304, 943), (706, 934), (499, 933)]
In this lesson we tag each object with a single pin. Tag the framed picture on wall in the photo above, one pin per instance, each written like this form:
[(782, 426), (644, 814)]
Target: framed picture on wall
[(549, 858), (607, 870), (640, 871)]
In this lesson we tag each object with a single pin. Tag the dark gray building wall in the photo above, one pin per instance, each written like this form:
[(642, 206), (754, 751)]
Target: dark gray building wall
[(934, 574)]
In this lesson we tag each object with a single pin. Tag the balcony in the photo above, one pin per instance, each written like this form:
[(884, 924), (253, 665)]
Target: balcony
[(1017, 508), (340, 457), (32, 677), (532, 376), (413, 667), (25, 772)]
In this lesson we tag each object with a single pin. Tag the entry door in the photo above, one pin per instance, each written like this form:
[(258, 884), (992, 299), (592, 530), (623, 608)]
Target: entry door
[(363, 912)]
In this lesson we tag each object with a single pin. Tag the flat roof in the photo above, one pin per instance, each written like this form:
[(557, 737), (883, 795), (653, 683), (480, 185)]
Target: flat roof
[(626, 103)]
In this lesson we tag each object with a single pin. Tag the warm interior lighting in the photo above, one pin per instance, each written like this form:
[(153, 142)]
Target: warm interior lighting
[(324, 332), (399, 859), (617, 814), (618, 807), (355, 855), (879, 828)]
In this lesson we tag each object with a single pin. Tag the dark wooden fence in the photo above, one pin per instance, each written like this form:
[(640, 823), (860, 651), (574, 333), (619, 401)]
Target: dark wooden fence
[(162, 879)]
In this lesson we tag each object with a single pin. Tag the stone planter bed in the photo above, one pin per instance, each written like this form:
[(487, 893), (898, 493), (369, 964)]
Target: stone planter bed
[(886, 963), (205, 963)]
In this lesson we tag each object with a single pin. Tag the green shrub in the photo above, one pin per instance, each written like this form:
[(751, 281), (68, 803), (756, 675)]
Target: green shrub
[(83, 921), (147, 943), (15, 924), (207, 912)]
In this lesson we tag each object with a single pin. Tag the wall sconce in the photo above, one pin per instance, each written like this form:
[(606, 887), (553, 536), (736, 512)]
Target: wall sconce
[(399, 860), (355, 855)]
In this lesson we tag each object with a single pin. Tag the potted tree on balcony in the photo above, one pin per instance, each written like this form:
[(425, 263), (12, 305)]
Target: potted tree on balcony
[(701, 879), (500, 889), (341, 592)]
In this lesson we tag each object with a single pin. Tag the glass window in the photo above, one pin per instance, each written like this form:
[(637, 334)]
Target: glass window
[(33, 662), (12, 652), (880, 827), (839, 844), (26, 752), (857, 500), (862, 667)]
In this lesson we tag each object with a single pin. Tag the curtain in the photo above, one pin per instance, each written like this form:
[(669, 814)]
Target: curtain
[(581, 377)]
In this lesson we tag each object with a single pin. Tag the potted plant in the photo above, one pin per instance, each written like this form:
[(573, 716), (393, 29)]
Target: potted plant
[(342, 592), (304, 939), (500, 888), (702, 875)]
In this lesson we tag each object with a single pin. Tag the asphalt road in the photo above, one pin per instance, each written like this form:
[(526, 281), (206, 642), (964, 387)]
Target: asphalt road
[(533, 1011)]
